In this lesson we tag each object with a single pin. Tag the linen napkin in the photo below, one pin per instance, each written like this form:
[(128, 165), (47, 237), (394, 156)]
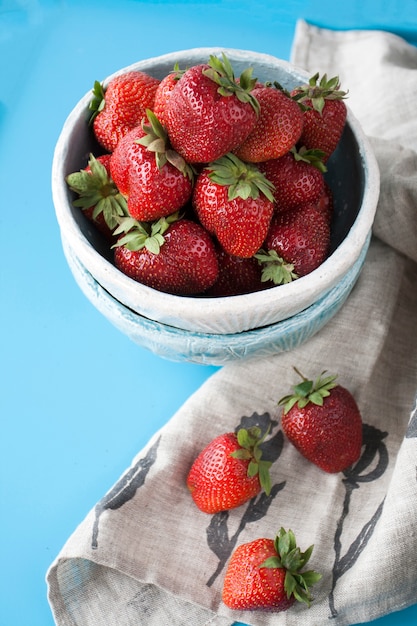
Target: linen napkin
[(145, 555)]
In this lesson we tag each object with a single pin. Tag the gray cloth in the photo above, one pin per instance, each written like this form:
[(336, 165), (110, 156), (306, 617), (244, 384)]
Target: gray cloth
[(147, 556)]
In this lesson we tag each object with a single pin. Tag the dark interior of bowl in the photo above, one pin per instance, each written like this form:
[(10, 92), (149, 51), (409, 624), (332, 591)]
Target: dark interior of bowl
[(346, 179), (345, 175)]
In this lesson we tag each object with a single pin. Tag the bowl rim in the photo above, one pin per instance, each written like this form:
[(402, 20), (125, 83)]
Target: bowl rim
[(341, 258)]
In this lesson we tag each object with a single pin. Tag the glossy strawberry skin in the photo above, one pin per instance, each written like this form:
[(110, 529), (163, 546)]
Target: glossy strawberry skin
[(300, 236), (277, 129), (236, 275), (151, 192), (240, 225), (163, 93), (218, 481), (323, 131), (325, 203), (248, 587), (185, 265), (126, 99), (202, 124), (330, 436), (295, 182)]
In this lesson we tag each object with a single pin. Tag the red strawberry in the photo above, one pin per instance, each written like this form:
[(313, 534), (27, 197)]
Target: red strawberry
[(210, 113), (172, 255), (155, 180), (121, 106), (236, 275), (325, 114), (323, 421), (164, 91), (233, 200), (98, 196), (325, 203), (297, 243), (297, 177), (229, 471), (267, 575), (278, 128)]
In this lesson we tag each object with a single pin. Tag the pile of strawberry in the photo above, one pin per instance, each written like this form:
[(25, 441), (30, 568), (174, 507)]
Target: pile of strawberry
[(212, 184)]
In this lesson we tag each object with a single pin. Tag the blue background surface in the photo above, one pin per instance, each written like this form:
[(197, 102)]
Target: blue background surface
[(78, 399)]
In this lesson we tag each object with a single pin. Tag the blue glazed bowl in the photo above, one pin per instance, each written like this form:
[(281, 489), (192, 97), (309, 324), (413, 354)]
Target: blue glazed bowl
[(216, 330)]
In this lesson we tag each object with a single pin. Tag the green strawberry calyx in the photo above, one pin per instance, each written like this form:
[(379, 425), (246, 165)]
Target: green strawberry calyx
[(156, 141), (307, 391), (313, 156), (176, 71), (315, 92), (97, 102), (297, 583), (275, 268), (138, 235), (96, 189), (250, 441), (279, 87), (221, 72), (243, 180)]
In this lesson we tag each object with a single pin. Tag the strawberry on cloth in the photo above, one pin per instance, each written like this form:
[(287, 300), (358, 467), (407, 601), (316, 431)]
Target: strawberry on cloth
[(145, 554)]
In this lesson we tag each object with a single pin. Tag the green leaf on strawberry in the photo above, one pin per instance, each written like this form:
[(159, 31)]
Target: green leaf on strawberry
[(275, 268), (249, 441), (156, 140), (309, 391), (312, 156), (290, 557), (138, 235), (317, 92), (221, 72), (243, 180), (95, 188), (97, 102)]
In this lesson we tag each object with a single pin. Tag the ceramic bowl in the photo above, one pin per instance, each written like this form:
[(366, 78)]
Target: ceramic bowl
[(352, 174)]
